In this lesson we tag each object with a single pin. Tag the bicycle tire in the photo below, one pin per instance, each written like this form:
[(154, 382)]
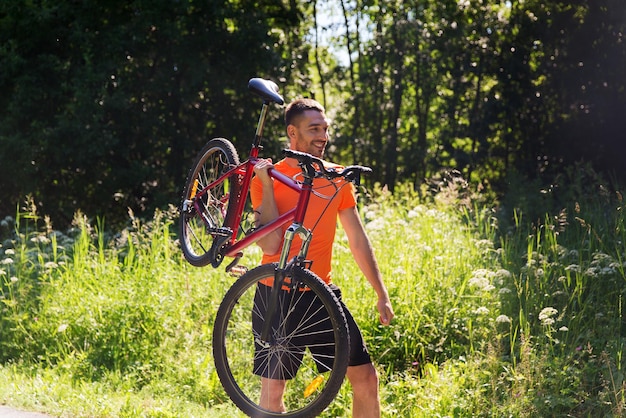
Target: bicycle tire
[(234, 343), (201, 232)]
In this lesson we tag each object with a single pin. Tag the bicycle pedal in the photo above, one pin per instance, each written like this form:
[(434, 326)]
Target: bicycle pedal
[(234, 269), (237, 271)]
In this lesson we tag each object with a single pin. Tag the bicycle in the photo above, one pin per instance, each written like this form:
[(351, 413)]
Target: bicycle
[(256, 313)]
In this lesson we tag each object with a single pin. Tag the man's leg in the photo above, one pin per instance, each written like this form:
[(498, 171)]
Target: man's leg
[(365, 398), (272, 394)]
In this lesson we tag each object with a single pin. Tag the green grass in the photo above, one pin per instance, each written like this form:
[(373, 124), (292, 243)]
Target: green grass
[(497, 315)]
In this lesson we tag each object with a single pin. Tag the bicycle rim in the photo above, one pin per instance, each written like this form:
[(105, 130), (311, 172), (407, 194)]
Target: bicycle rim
[(312, 387), (204, 212)]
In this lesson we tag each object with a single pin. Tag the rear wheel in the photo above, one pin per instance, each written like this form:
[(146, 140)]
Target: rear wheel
[(205, 210), (308, 346)]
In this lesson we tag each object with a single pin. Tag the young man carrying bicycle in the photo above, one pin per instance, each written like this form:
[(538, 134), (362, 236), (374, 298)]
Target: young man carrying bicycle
[(307, 130)]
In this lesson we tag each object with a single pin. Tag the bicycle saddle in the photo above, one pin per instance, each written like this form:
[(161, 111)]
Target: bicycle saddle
[(267, 89)]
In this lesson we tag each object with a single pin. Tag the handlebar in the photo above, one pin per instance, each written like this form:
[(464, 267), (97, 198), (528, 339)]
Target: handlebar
[(351, 173)]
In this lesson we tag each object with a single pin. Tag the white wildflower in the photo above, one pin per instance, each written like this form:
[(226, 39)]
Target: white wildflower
[(481, 279), (480, 282), (482, 311), (40, 239), (573, 268), (546, 314), (600, 257), (433, 213), (483, 244), (51, 265), (377, 224), (503, 319)]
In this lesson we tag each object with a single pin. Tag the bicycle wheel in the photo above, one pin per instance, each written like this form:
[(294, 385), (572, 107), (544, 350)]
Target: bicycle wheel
[(203, 212), (309, 344)]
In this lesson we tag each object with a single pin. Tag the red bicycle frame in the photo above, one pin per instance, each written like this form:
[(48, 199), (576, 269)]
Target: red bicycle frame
[(245, 170)]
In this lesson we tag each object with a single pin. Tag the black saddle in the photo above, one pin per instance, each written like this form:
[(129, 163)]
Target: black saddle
[(266, 89)]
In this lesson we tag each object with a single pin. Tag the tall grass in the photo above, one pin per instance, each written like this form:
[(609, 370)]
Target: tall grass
[(122, 313), (500, 312), (567, 334), (440, 278)]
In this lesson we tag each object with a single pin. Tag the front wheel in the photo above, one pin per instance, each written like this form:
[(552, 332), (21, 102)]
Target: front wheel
[(207, 205), (308, 347)]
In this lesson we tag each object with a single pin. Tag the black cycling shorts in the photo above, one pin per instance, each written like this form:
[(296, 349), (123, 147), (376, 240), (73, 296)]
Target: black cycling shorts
[(284, 364)]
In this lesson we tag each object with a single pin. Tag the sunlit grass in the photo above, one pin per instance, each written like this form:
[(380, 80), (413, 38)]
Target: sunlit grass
[(494, 318)]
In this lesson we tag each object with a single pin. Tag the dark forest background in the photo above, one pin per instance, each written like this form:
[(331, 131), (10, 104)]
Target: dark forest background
[(104, 103)]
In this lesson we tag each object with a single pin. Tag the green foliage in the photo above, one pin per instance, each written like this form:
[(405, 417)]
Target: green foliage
[(494, 318), (106, 103), (566, 295), (489, 88), (445, 307)]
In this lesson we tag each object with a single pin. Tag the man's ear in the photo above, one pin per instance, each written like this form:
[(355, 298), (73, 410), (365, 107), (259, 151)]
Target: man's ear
[(291, 131)]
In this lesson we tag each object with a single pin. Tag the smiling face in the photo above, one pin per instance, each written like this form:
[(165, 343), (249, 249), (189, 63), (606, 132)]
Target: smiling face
[(308, 133)]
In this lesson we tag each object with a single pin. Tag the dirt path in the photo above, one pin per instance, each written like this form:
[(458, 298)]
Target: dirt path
[(8, 412)]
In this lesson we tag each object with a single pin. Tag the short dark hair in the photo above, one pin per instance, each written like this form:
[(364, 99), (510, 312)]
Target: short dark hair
[(298, 107)]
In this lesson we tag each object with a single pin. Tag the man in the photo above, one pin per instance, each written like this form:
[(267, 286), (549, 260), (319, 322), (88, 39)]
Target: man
[(307, 130)]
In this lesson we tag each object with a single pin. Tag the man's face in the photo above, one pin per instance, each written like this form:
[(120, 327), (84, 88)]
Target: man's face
[(309, 133)]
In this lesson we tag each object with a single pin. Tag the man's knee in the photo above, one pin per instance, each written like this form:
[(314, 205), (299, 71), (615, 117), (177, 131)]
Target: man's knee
[(363, 377)]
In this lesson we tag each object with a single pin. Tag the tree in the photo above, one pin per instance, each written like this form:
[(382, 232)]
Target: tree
[(106, 103), (488, 88)]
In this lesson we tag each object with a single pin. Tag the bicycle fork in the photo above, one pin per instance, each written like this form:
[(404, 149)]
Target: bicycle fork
[(265, 339)]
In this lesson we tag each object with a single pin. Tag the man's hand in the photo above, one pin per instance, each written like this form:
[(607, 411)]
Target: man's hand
[(385, 310), (260, 170)]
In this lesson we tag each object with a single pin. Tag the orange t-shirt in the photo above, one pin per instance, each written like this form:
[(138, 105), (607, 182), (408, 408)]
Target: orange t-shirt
[(321, 215)]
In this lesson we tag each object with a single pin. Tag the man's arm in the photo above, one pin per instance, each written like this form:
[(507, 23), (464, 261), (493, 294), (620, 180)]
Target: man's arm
[(267, 211), (364, 256)]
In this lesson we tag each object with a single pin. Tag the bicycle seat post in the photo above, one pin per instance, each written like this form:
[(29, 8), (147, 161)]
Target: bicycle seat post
[(258, 136)]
